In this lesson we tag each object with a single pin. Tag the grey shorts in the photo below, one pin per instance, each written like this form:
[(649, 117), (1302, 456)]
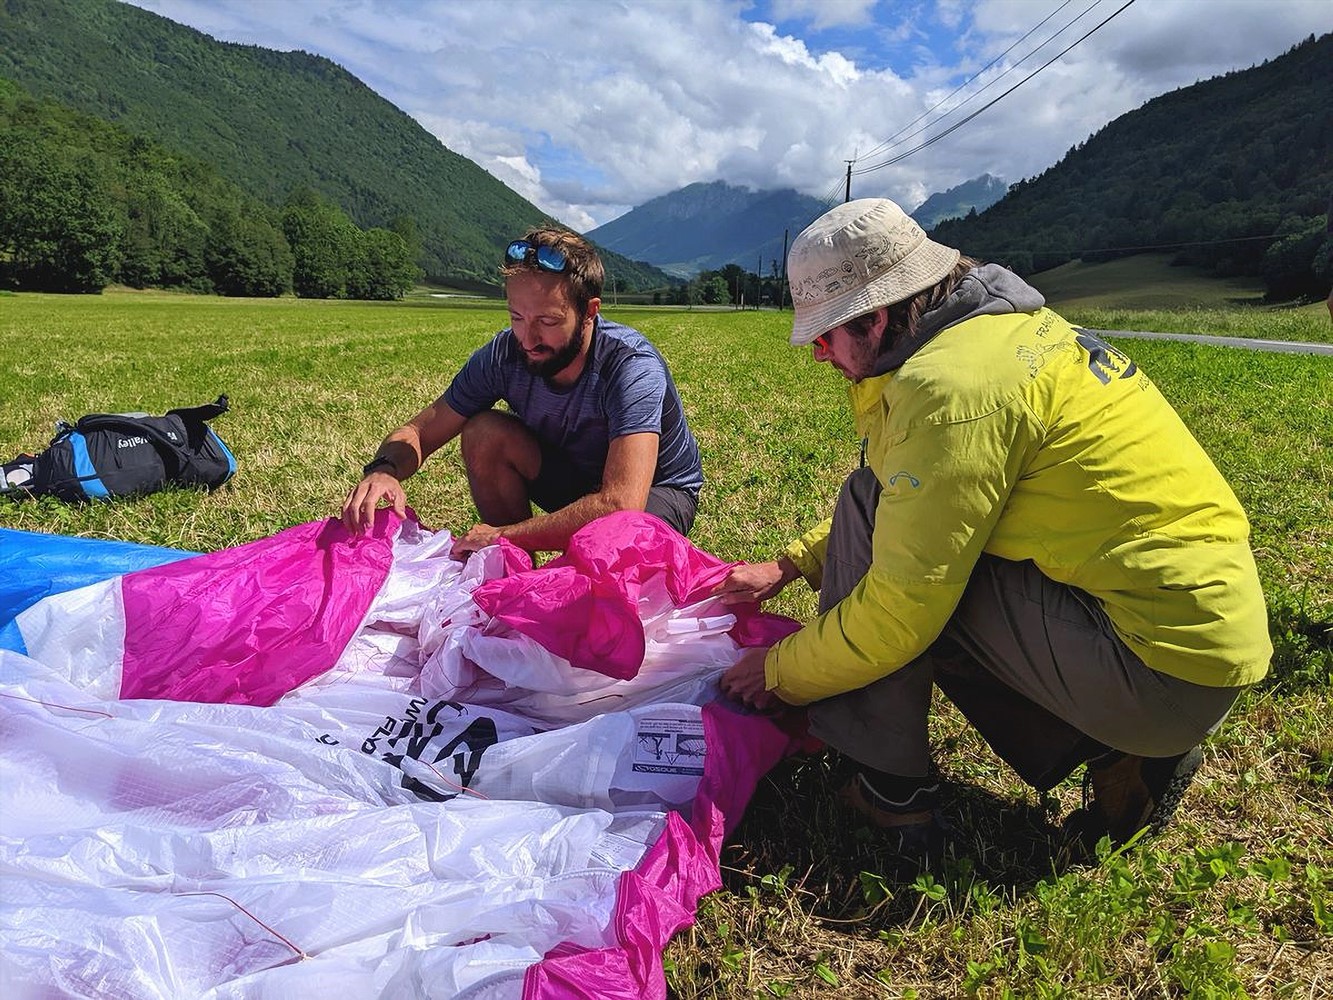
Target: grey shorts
[(559, 484)]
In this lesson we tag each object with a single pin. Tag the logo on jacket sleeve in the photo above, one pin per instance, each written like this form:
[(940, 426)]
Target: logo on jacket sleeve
[(1105, 361)]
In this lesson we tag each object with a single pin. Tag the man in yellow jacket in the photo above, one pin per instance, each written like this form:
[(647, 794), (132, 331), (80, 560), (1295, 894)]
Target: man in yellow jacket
[(1035, 532)]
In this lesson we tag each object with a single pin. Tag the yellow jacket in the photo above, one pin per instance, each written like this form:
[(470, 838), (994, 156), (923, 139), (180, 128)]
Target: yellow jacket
[(1020, 436)]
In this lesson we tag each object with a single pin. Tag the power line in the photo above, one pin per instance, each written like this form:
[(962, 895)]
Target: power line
[(889, 143), (959, 124), (830, 197), (1143, 246), (991, 83)]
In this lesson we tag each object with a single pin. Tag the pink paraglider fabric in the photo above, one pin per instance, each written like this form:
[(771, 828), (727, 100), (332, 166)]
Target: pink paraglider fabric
[(659, 897), (248, 624), (583, 606)]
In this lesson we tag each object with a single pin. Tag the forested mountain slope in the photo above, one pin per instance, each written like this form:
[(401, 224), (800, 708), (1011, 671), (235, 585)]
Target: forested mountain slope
[(272, 122), (1234, 173)]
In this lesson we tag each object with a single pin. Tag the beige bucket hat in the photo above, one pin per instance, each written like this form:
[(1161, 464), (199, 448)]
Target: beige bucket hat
[(855, 258)]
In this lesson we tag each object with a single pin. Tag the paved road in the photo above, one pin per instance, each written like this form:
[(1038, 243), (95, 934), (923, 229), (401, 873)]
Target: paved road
[(1284, 346)]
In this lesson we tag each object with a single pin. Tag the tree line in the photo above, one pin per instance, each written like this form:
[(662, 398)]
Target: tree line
[(730, 284), (84, 204)]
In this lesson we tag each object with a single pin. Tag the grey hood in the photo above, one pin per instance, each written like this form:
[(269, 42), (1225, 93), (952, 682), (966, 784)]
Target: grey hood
[(986, 290)]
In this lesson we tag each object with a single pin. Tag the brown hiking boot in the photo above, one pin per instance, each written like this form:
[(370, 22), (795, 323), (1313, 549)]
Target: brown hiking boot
[(1123, 794), (913, 828)]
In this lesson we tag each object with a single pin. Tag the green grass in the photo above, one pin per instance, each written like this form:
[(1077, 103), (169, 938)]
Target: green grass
[(1236, 898)]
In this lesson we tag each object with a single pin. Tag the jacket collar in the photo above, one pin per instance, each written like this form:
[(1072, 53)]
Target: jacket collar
[(986, 290)]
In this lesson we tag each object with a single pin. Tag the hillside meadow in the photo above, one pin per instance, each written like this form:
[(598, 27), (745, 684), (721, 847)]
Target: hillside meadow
[(1235, 899), (1150, 292)]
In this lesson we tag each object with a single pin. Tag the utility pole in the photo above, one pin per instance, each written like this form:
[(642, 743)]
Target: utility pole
[(782, 283), (759, 282), (847, 193)]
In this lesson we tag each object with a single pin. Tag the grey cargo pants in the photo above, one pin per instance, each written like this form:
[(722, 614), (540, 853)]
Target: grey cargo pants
[(1033, 664)]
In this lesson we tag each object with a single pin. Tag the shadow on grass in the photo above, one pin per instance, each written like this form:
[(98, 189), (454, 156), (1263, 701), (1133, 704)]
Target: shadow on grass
[(839, 864)]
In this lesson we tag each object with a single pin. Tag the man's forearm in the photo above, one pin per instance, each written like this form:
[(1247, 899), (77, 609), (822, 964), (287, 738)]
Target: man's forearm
[(788, 569), (551, 532), (402, 452)]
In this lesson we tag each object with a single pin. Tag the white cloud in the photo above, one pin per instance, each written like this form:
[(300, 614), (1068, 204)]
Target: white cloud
[(586, 109), (820, 14)]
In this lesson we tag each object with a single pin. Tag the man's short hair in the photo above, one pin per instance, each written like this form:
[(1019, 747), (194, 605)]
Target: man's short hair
[(583, 271)]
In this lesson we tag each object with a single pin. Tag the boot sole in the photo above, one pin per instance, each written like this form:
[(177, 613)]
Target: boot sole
[(1177, 783)]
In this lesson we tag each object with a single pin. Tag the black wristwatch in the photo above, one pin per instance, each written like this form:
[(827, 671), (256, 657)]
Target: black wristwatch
[(378, 462)]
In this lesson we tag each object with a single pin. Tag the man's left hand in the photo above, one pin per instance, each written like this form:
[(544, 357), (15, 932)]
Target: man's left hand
[(478, 537), (745, 681), (756, 581)]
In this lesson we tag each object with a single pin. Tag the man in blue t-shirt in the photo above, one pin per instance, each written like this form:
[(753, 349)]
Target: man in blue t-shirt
[(595, 424)]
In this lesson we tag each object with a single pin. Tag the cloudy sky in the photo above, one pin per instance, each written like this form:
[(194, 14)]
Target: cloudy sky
[(590, 107)]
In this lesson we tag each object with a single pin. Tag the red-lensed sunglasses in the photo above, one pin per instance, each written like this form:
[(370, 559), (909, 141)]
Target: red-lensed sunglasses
[(822, 341)]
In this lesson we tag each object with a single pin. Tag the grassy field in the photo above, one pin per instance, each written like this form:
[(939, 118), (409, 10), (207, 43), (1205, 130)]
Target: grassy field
[(1145, 292), (1235, 899)]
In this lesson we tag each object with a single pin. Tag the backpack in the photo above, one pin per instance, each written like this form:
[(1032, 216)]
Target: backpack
[(105, 455)]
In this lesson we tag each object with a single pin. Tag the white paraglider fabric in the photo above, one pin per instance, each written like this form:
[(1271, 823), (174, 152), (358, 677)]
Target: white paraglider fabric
[(318, 765)]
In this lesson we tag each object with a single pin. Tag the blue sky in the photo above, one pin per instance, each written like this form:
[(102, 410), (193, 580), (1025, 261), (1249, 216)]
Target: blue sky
[(893, 36), (590, 107)]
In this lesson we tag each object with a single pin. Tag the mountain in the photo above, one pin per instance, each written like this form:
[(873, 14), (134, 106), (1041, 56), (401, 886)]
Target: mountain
[(273, 123), (704, 226), (980, 193), (1232, 173)]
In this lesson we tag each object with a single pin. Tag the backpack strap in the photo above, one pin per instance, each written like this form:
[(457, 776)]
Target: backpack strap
[(65, 468), (202, 413)]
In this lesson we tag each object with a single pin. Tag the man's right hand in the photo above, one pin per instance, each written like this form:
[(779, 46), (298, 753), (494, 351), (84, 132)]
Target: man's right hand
[(359, 507)]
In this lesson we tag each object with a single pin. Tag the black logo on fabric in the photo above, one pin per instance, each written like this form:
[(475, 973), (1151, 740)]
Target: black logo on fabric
[(1105, 361), (413, 735), (670, 753)]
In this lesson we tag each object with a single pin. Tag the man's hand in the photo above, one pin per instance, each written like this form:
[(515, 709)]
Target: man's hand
[(756, 581), (478, 537), (744, 681), (359, 507)]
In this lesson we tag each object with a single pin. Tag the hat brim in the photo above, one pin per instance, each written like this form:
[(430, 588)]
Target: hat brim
[(928, 263)]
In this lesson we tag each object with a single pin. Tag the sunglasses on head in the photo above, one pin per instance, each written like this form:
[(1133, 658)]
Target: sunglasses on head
[(544, 257)]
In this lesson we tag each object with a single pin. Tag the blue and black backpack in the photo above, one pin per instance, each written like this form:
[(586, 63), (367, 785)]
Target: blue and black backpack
[(106, 455)]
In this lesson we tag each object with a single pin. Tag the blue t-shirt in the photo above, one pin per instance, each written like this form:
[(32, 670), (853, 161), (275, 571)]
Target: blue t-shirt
[(624, 388)]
